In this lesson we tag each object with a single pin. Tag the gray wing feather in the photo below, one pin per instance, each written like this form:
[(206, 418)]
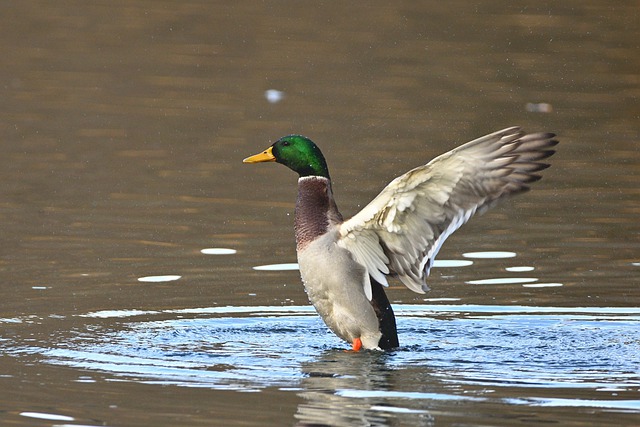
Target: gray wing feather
[(401, 231)]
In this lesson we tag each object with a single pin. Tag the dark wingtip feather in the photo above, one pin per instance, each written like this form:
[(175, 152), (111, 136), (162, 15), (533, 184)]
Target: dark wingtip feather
[(528, 152)]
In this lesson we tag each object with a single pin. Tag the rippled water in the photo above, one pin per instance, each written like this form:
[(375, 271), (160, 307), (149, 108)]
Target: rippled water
[(465, 355)]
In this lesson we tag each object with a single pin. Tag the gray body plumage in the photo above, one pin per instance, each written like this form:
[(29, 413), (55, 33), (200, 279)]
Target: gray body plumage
[(332, 279)]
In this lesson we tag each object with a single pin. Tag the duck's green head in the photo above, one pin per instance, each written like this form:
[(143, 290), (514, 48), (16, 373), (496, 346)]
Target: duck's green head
[(298, 153)]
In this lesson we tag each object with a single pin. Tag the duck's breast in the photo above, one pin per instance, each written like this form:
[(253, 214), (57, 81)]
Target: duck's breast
[(335, 285)]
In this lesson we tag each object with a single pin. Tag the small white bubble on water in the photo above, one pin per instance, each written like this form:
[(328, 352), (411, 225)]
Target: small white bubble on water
[(538, 107), (218, 251), (520, 269), (273, 95)]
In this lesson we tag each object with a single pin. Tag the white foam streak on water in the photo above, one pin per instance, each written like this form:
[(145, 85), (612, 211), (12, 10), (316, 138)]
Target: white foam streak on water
[(489, 255), (46, 416), (543, 285), (156, 279), (450, 263), (502, 281), (277, 267)]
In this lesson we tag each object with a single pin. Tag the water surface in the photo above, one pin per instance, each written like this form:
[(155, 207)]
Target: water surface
[(148, 276)]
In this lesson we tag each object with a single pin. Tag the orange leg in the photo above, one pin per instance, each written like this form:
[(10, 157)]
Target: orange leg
[(356, 344)]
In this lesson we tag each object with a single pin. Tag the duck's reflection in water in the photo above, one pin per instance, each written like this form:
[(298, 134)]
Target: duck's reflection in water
[(331, 386)]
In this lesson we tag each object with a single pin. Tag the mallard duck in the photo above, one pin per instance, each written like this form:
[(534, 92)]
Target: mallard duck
[(344, 264)]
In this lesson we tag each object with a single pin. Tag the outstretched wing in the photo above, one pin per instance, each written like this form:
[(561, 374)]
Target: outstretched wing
[(402, 229)]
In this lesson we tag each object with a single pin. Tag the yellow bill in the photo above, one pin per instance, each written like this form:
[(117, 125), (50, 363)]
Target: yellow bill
[(265, 156)]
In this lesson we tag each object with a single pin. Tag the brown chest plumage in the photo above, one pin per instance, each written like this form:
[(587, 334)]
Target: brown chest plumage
[(315, 210)]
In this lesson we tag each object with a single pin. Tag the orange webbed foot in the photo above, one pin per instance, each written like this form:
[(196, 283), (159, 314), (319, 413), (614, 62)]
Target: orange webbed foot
[(356, 346)]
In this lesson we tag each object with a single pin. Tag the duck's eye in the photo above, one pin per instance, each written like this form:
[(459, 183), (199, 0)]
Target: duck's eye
[(286, 143)]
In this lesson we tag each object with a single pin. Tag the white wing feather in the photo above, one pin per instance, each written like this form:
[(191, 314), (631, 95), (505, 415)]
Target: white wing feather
[(401, 231)]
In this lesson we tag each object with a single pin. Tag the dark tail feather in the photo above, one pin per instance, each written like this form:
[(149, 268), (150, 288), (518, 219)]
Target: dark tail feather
[(386, 318)]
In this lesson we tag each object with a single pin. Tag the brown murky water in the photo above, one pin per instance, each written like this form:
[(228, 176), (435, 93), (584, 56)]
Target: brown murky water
[(123, 129)]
